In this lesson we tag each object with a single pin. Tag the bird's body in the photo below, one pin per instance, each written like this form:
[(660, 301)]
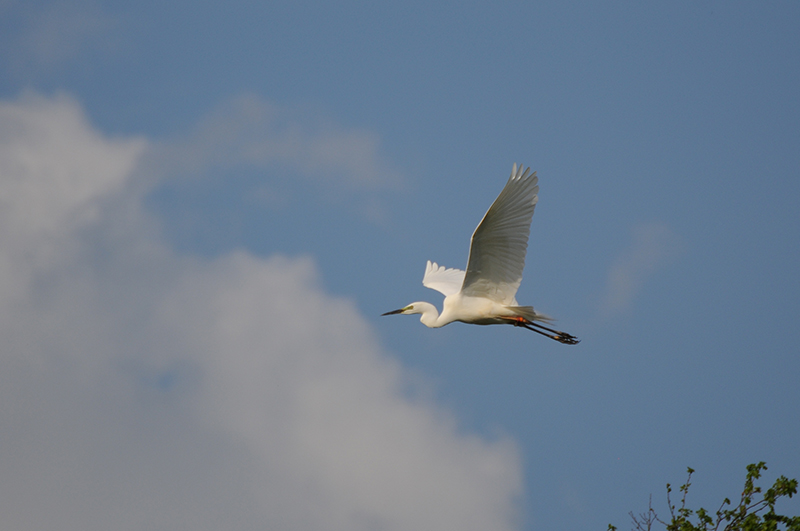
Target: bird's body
[(463, 308), (484, 294)]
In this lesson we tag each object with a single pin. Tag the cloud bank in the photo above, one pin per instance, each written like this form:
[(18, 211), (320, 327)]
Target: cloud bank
[(144, 389)]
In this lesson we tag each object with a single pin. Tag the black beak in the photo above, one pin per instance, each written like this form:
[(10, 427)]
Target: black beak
[(394, 312)]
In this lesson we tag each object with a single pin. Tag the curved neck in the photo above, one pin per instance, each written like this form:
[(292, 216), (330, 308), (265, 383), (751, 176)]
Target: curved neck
[(430, 315)]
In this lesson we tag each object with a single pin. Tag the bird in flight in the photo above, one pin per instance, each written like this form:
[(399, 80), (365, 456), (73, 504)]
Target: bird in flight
[(484, 294)]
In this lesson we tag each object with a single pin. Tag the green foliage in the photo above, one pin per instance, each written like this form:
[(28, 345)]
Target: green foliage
[(744, 516)]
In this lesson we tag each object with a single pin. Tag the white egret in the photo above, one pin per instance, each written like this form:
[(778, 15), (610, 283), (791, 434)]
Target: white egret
[(484, 294)]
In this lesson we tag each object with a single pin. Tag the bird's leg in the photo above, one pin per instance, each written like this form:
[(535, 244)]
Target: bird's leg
[(561, 337), (525, 325), (549, 329)]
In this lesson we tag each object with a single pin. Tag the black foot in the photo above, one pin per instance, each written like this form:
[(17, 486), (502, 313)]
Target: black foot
[(561, 337)]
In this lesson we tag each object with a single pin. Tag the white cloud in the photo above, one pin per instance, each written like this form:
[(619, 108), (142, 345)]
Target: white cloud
[(49, 187), (652, 245), (299, 159), (143, 389), (250, 130)]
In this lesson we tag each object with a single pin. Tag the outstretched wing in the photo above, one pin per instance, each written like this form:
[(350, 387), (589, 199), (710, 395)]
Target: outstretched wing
[(446, 281), (498, 246)]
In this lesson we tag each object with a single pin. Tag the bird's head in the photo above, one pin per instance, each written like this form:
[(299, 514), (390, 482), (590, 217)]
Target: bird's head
[(428, 311), (412, 308)]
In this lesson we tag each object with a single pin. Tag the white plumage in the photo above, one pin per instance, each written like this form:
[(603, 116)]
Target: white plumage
[(485, 292)]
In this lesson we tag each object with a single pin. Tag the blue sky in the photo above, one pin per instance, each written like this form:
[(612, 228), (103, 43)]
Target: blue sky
[(206, 207)]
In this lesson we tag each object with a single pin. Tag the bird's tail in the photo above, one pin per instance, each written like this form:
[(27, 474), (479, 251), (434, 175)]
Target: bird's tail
[(530, 314), (527, 317)]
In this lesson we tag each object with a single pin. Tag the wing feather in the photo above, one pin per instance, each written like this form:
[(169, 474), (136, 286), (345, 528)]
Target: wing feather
[(445, 281), (500, 242)]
